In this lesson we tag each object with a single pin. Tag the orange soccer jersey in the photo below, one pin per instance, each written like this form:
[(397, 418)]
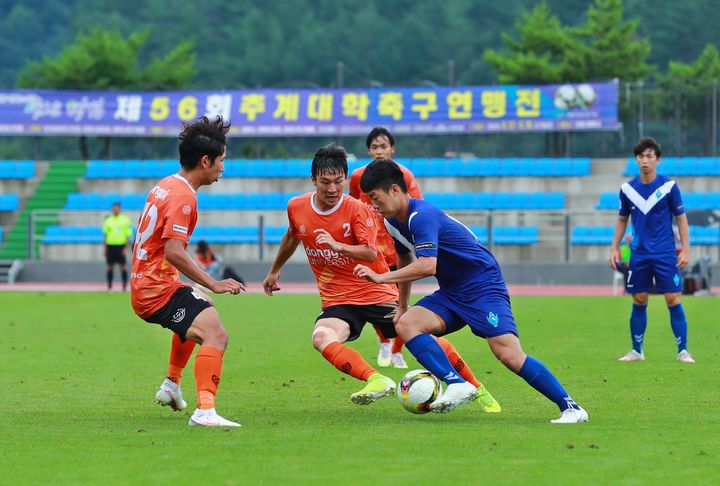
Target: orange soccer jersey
[(349, 222), (384, 241), (170, 212)]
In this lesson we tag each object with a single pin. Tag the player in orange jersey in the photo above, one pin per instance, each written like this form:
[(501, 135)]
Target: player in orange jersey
[(337, 231), (159, 256), (381, 145)]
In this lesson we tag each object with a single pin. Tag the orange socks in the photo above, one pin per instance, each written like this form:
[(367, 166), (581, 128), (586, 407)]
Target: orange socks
[(397, 344), (457, 362), (380, 334), (180, 353), (208, 368), (348, 361)]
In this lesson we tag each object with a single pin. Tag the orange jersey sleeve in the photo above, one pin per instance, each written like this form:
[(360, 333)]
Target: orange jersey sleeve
[(170, 212), (384, 242), (349, 222)]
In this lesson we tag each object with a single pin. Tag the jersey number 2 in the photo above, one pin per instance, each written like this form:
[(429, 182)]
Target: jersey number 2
[(347, 229), (150, 214)]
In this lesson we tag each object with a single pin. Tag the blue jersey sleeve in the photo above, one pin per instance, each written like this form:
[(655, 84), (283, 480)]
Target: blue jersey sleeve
[(426, 231), (676, 203), (625, 205)]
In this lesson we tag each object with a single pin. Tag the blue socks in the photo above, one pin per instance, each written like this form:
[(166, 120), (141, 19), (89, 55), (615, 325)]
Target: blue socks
[(679, 325), (638, 323), (429, 353), (539, 377)]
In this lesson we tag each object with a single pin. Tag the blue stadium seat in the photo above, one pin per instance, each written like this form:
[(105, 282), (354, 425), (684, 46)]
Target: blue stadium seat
[(481, 233), (9, 202), (274, 234), (1, 233), (515, 235), (608, 200)]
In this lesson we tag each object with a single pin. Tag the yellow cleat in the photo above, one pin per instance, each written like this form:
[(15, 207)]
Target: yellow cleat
[(487, 402), (378, 386)]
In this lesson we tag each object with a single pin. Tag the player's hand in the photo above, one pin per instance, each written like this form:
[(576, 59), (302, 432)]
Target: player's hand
[(270, 283), (614, 258), (227, 286), (324, 238), (683, 259), (400, 311), (365, 272)]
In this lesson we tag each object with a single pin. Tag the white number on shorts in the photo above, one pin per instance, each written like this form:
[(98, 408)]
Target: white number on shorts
[(347, 229), (150, 214), (629, 275)]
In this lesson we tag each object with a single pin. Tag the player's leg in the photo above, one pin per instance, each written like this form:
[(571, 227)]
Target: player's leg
[(485, 400), (506, 347), (109, 275), (396, 357), (384, 357), (335, 326), (416, 327), (170, 393), (207, 330), (669, 282), (639, 282), (124, 275)]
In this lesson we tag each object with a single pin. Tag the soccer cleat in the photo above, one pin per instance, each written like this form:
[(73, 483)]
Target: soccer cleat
[(685, 357), (571, 416), (455, 395), (487, 402), (210, 418), (398, 361), (170, 395), (384, 357), (632, 355), (378, 386)]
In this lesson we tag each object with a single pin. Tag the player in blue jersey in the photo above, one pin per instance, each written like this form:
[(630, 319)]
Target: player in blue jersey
[(650, 201), (472, 292)]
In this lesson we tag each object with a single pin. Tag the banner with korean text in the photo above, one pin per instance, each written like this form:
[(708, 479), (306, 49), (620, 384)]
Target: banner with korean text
[(316, 112)]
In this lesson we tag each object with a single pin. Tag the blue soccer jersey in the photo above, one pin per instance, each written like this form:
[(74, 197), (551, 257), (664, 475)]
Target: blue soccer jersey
[(651, 208), (465, 268)]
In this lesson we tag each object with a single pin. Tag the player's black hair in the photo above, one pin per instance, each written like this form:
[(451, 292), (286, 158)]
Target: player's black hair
[(647, 143), (328, 159), (382, 174), (202, 137), (377, 132)]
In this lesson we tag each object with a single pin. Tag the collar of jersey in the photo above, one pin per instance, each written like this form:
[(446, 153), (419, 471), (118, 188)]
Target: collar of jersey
[(178, 176), (329, 211), (645, 205)]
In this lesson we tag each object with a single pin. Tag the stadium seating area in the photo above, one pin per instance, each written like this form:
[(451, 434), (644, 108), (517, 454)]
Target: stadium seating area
[(17, 169), (278, 200), (691, 200), (602, 235), (680, 166), (287, 168), (502, 235)]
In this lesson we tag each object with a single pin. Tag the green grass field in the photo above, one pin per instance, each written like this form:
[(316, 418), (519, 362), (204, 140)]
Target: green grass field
[(79, 373)]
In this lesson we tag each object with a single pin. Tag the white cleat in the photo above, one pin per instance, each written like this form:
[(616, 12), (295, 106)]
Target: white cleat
[(210, 418), (685, 357), (571, 416), (170, 395), (398, 361), (632, 355), (455, 395), (384, 357)]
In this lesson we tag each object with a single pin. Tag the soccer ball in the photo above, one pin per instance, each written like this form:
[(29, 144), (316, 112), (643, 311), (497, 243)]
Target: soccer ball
[(417, 390), (565, 97), (586, 95)]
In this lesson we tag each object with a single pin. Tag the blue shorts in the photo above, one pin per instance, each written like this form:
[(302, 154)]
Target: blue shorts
[(663, 268), (487, 316)]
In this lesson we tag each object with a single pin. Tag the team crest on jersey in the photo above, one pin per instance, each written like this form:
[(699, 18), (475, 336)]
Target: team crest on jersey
[(658, 194), (179, 315), (676, 279), (186, 209), (302, 229), (370, 222), (493, 319)]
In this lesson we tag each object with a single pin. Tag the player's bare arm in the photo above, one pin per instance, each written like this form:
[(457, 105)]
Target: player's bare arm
[(288, 245), (365, 253), (404, 287), (620, 227), (684, 230), (175, 253), (420, 268)]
